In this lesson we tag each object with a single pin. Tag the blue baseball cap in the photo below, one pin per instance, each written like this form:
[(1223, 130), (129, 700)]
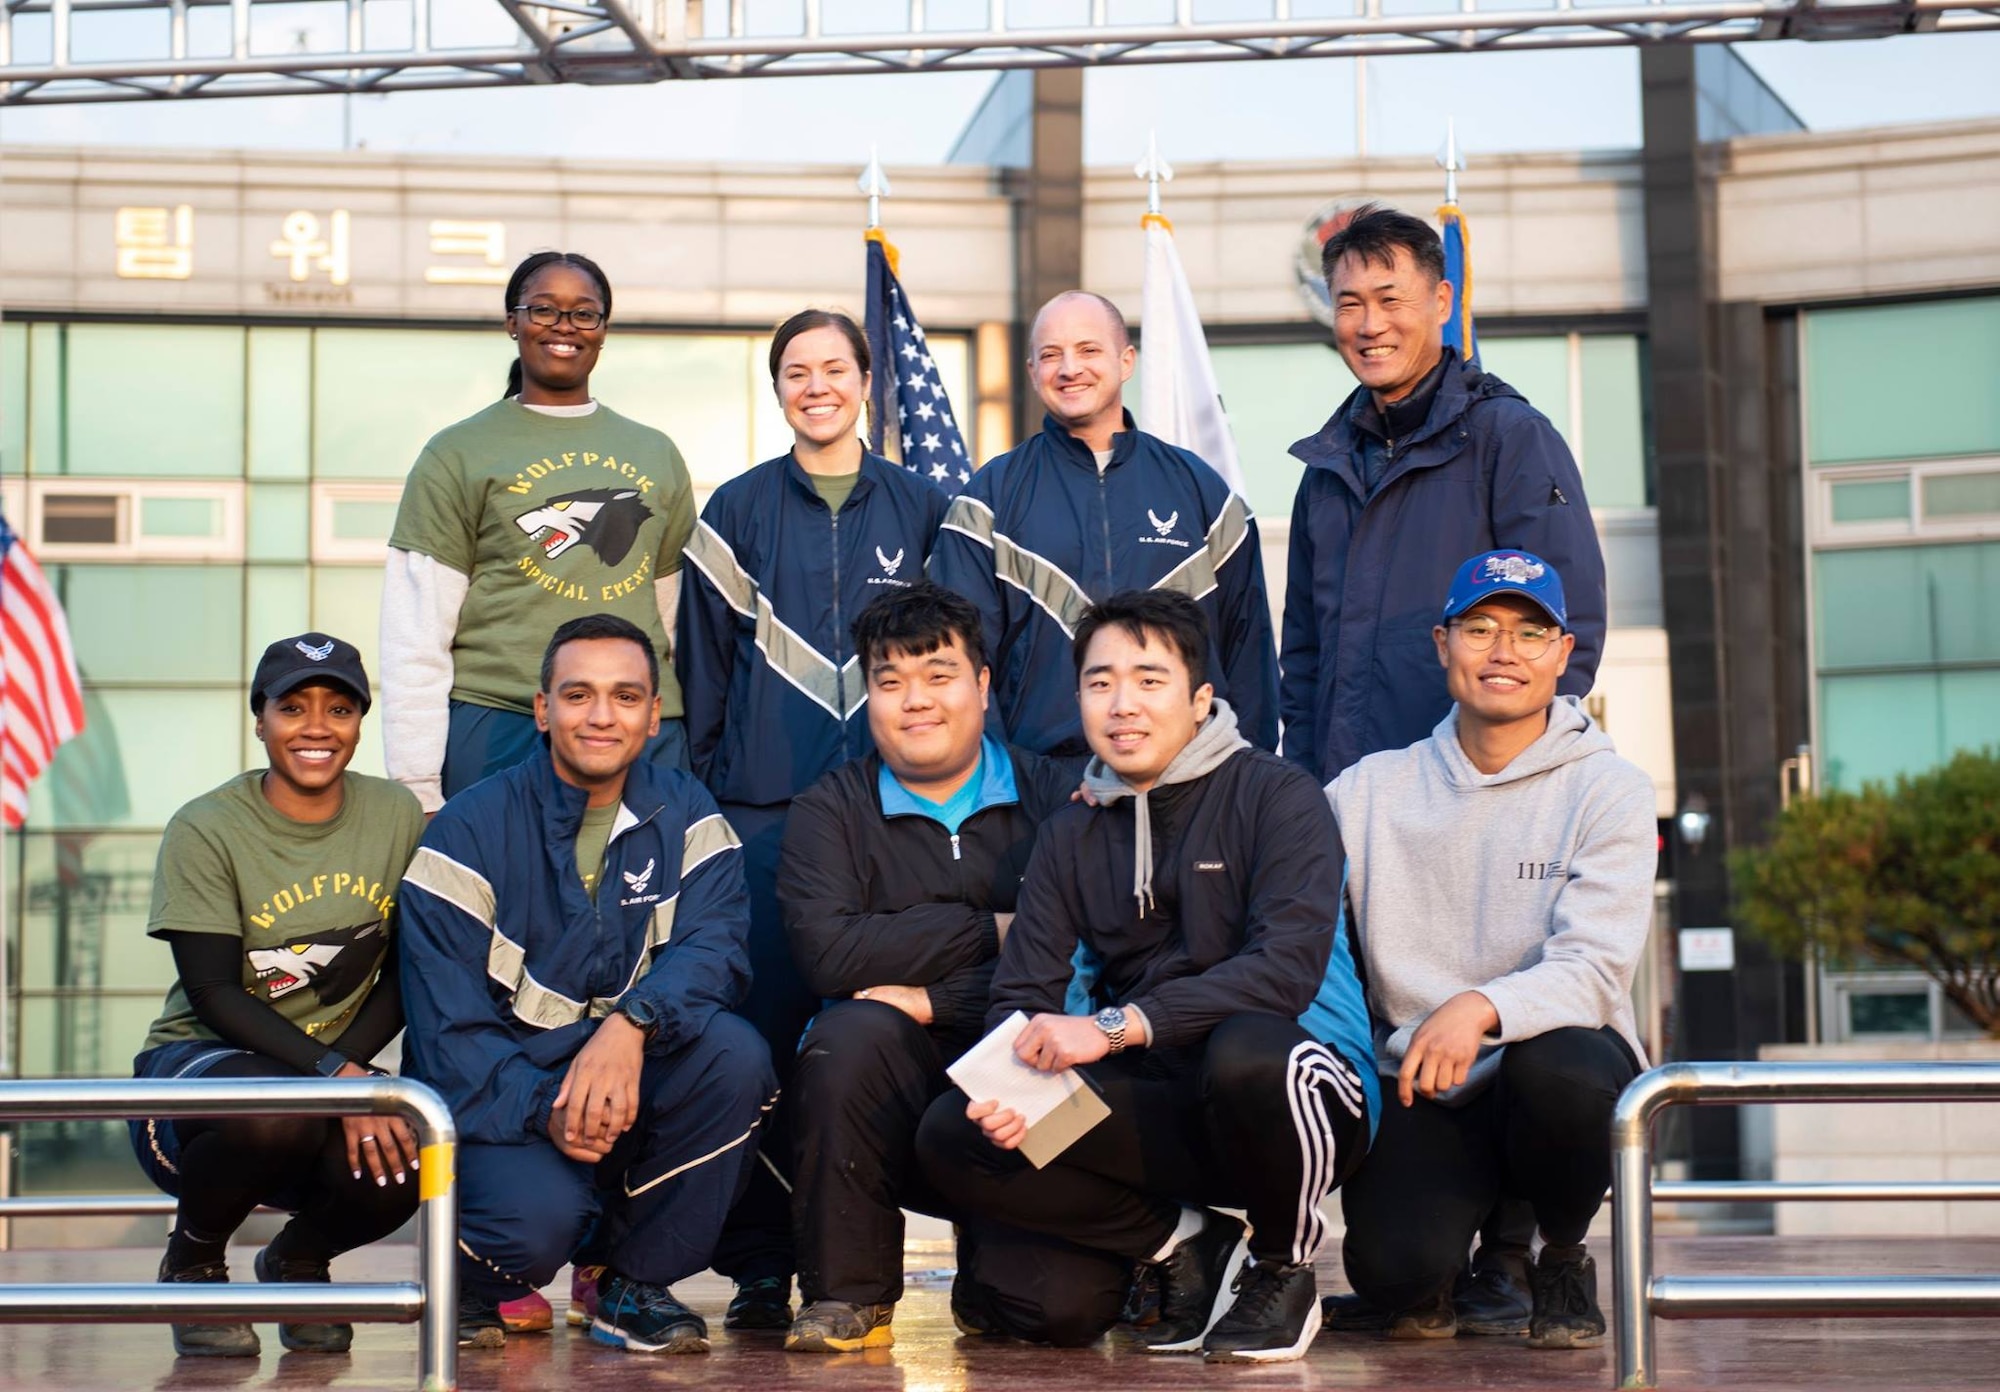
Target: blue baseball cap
[(1507, 572)]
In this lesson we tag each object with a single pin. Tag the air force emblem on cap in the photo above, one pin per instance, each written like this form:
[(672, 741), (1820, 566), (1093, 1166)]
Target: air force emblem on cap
[(317, 654), (1514, 570)]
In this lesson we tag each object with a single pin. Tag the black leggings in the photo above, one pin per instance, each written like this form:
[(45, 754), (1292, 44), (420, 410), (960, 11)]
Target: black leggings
[(1541, 1132), (230, 1165)]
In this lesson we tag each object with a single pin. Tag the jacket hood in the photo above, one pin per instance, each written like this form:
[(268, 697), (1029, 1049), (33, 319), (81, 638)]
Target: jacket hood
[(1572, 735), (1463, 386)]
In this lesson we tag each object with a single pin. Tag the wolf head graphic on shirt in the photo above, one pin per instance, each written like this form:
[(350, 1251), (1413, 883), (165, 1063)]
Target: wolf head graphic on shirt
[(335, 963), (607, 520)]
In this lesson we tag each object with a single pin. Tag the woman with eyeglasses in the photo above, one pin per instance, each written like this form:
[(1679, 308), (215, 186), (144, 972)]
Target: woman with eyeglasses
[(546, 506), (783, 559)]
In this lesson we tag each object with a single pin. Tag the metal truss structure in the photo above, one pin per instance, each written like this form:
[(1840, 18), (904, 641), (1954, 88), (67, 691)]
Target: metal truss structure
[(55, 51)]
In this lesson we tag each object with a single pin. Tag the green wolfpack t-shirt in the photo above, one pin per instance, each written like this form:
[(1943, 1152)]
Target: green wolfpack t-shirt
[(551, 518), (312, 901)]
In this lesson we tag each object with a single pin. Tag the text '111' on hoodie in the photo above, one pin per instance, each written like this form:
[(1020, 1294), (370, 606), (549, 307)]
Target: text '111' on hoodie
[(1532, 886)]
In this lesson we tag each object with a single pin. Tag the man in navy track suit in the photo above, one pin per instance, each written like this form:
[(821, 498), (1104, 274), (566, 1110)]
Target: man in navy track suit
[(573, 944), (1091, 506)]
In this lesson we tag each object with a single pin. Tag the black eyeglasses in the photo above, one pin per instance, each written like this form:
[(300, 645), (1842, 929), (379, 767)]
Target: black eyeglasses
[(1530, 640), (547, 316)]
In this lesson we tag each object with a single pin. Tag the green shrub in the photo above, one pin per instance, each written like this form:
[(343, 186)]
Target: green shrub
[(1908, 875)]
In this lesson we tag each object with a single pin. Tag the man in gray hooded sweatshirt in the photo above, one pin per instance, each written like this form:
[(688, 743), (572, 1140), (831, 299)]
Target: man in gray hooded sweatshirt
[(1501, 875)]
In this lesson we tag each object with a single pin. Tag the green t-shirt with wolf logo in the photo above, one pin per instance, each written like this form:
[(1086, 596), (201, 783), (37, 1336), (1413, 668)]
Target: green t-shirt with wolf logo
[(312, 901), (551, 518)]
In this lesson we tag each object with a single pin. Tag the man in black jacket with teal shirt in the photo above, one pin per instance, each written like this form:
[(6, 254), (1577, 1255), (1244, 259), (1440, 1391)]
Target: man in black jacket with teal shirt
[(897, 884), (1233, 1048)]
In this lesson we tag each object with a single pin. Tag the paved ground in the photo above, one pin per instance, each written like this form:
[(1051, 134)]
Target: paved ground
[(1739, 1356)]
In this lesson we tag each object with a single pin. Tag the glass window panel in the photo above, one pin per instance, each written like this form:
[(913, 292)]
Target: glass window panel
[(695, 387), (87, 896), (1875, 727), (90, 1037), (1945, 353), (1907, 604), (1962, 495), (347, 600), (141, 755), (88, 519), (1614, 421), (1538, 368), (1890, 1012), (154, 399), (280, 403), (277, 603), (45, 398), (13, 398), (379, 394), (79, 1157), (180, 517), (1874, 500), (1971, 708), (1275, 394), (161, 623), (362, 519), (278, 525)]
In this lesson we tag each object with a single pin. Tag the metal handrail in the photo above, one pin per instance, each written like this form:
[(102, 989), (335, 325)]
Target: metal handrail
[(1639, 1296), (432, 1301)]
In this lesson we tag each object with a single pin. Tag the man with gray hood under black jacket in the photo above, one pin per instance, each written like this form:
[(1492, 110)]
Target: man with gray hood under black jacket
[(1232, 1048), (1501, 874)]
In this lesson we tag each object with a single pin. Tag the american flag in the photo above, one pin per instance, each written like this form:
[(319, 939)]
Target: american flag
[(907, 382), (41, 703)]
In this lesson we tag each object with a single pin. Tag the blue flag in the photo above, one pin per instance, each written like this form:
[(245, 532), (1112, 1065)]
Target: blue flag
[(908, 393), (1458, 332)]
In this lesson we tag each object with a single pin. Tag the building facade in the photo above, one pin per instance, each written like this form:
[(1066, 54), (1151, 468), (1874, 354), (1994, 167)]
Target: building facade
[(216, 369)]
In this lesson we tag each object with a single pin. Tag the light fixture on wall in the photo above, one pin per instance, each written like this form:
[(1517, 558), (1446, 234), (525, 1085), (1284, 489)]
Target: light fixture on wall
[(1693, 821)]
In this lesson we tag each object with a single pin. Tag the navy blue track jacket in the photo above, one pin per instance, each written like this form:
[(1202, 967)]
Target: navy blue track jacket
[(508, 964), (774, 694), (1039, 534), (1368, 575)]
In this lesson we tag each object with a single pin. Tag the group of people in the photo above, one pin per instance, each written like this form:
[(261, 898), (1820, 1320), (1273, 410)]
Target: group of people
[(688, 933)]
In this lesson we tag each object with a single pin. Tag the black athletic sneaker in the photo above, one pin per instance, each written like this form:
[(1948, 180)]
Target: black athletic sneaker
[(644, 1318), (1142, 1298), (1434, 1319), (1274, 1320), (1566, 1314), (1350, 1314), (835, 1326), (969, 1309), (762, 1302), (208, 1340), (479, 1325), (1194, 1285), (1492, 1295), (304, 1338)]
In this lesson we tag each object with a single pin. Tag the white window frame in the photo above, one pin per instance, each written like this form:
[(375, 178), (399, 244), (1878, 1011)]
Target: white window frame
[(25, 499), (330, 549), (1838, 988), (1830, 535)]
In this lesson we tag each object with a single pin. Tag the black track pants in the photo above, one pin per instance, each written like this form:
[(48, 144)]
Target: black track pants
[(1260, 1117), (1541, 1132)]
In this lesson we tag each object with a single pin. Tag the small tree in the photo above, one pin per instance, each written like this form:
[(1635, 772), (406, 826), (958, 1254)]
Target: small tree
[(1908, 875)]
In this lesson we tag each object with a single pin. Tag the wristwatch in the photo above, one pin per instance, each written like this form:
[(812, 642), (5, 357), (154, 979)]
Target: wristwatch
[(1111, 1020), (643, 1013)]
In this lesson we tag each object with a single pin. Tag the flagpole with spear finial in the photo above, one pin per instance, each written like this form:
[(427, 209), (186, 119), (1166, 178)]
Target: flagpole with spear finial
[(1450, 160), (1155, 171), (1457, 238), (875, 184)]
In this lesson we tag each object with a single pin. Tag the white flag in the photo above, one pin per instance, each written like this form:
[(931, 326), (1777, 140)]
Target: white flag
[(1178, 399)]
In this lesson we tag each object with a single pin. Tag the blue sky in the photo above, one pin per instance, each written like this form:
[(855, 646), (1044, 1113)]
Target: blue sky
[(1295, 109)]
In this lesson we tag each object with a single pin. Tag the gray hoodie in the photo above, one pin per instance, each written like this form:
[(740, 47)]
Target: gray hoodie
[(1533, 885)]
